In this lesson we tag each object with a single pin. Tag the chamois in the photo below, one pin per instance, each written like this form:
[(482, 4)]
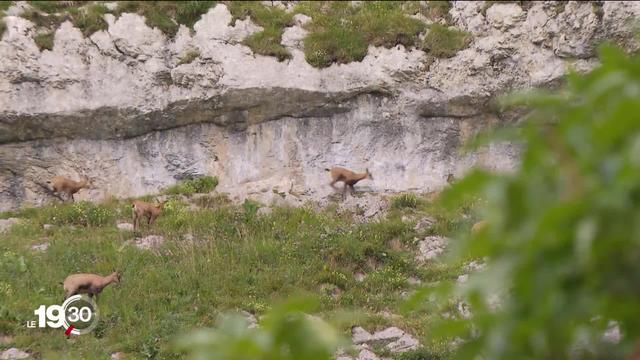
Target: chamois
[(148, 210), (348, 177), (63, 185), (91, 284)]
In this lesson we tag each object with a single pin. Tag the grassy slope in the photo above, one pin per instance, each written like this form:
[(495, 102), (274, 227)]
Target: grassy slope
[(237, 260)]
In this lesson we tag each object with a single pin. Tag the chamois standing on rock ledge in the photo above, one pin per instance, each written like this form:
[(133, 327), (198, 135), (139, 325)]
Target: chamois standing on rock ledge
[(91, 284), (62, 185), (348, 177), (145, 209)]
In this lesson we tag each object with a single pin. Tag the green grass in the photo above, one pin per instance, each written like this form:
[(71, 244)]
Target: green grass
[(167, 15), (43, 20), (89, 19), (202, 184), (445, 42), (44, 40), (341, 33), (4, 5), (406, 201), (52, 7), (236, 260), (188, 57), (273, 21)]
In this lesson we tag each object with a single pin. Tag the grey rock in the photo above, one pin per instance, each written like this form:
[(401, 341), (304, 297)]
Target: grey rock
[(405, 343), (6, 224), (264, 211), (359, 277), (388, 334), (366, 354), (117, 355), (13, 353), (360, 335), (430, 247), (125, 226), (424, 223), (251, 319), (151, 242), (40, 247), (47, 226)]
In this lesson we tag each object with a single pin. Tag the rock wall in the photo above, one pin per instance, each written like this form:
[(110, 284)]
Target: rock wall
[(120, 108)]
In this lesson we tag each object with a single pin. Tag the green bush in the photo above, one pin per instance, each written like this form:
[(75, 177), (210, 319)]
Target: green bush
[(202, 184), (444, 42), (562, 248)]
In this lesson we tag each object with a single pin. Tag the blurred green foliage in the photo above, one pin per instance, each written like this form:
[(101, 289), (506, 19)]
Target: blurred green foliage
[(287, 332), (563, 243)]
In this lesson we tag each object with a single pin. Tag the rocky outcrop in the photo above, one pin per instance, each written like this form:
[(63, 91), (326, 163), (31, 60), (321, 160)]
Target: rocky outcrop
[(120, 107)]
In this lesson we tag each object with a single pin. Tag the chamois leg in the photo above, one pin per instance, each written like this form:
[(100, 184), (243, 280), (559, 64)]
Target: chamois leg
[(152, 219), (344, 191), (352, 190), (332, 184)]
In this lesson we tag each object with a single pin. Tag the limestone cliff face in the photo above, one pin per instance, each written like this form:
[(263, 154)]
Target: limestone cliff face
[(120, 107)]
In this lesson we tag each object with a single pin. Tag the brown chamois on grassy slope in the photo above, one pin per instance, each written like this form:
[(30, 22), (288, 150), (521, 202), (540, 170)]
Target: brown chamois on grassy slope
[(91, 284), (62, 185), (348, 177), (145, 209)]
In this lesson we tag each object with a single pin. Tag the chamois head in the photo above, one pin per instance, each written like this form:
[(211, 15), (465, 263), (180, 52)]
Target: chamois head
[(116, 276), (86, 182)]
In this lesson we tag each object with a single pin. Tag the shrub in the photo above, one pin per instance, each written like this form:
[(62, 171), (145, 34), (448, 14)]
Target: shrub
[(202, 184), (44, 41), (444, 42)]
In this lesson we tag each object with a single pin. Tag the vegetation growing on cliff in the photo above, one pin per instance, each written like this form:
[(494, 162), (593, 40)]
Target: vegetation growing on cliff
[(273, 20), (339, 32), (444, 42)]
